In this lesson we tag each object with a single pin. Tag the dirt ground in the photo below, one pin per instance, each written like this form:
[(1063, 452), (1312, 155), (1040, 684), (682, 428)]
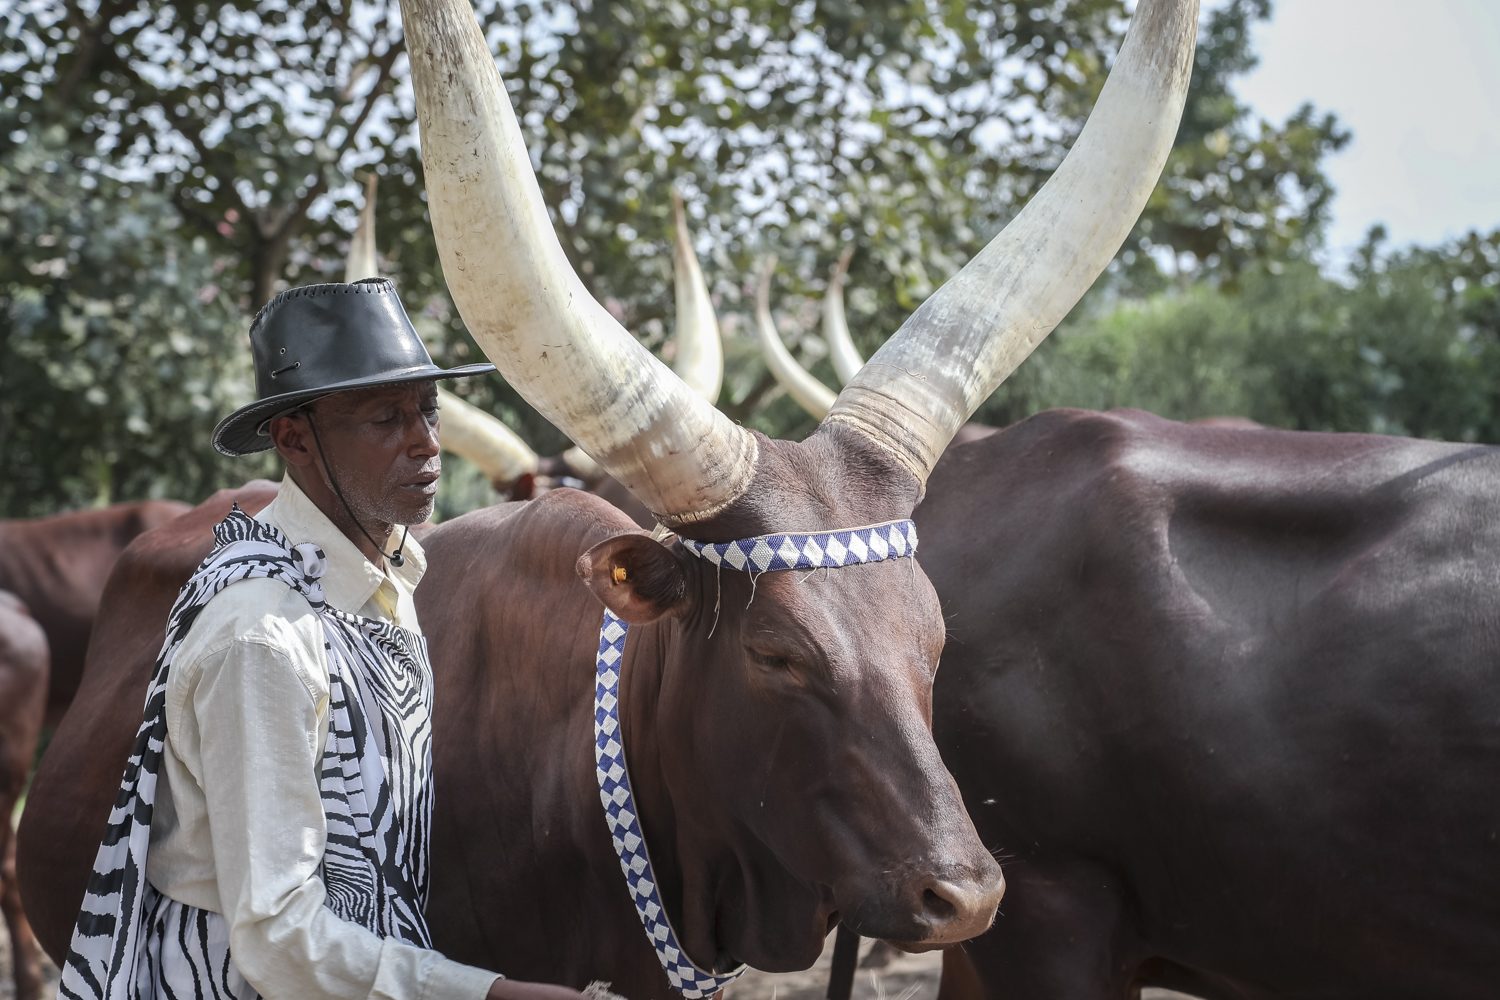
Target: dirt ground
[(906, 977), (7, 981)]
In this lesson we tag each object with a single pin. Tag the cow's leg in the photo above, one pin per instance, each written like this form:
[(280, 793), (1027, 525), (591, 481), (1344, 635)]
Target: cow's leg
[(23, 690), (1062, 933), (960, 979), (25, 953)]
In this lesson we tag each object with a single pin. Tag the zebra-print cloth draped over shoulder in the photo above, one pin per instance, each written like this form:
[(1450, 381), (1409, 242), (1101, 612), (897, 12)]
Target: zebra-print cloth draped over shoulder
[(376, 780)]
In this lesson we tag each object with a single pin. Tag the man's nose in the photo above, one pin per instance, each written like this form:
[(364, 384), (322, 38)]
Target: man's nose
[(425, 439)]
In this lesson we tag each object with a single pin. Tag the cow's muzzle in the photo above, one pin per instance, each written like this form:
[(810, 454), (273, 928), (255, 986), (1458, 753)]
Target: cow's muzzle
[(924, 912)]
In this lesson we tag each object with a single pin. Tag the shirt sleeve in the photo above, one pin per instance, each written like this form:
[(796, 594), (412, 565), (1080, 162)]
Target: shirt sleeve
[(259, 725)]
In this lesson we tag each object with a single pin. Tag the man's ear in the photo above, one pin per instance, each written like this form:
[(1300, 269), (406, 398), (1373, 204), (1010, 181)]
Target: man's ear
[(636, 577), (292, 437)]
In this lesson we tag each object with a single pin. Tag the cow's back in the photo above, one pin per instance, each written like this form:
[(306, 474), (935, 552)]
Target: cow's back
[(58, 566), (79, 775), (23, 687), (1246, 682)]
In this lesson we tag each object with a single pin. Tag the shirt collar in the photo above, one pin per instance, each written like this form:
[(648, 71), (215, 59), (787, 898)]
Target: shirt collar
[(350, 579)]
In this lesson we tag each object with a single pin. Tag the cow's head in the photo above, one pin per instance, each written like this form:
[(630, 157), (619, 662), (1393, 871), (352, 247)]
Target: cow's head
[(778, 728), (789, 723)]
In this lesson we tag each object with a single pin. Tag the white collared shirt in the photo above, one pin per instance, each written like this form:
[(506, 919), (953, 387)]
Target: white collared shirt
[(239, 827)]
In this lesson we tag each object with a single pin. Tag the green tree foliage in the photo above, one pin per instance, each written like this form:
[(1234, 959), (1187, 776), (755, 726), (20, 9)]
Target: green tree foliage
[(241, 113), (118, 350), (910, 128), (1237, 192), (1409, 344)]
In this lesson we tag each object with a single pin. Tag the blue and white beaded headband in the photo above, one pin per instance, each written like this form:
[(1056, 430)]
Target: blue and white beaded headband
[(811, 550), (762, 554)]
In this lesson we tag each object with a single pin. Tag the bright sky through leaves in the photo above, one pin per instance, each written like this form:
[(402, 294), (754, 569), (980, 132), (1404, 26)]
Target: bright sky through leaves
[(1416, 83)]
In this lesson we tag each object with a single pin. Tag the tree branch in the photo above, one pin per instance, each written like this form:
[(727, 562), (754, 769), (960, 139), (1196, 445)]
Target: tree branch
[(194, 137), (740, 411), (93, 36), (383, 67), (278, 237), (192, 212)]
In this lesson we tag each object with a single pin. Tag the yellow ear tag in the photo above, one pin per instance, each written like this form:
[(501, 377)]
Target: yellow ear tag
[(619, 575)]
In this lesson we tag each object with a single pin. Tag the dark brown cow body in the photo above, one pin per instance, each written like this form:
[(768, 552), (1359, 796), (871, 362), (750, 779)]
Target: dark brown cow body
[(610, 491), (57, 567), (23, 697), (524, 878), (1227, 701)]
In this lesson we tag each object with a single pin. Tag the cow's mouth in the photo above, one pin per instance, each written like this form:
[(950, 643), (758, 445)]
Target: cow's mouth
[(724, 961), (916, 947), (774, 932)]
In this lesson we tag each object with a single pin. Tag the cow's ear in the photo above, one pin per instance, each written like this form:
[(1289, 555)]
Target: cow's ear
[(635, 576)]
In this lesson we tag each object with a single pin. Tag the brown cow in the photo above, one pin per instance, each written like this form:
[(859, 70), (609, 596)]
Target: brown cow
[(770, 814), (57, 567), (837, 655), (23, 697)]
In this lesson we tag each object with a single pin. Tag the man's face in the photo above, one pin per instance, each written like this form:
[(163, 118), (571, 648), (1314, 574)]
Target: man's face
[(381, 446)]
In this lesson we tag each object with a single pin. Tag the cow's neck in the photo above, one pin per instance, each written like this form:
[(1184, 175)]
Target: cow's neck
[(689, 865)]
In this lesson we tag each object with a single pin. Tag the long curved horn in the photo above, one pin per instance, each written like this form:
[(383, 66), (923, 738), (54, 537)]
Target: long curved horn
[(468, 431), (473, 434), (700, 348), (948, 357), (578, 462), (700, 352), (841, 349), (361, 261), (799, 383), (526, 307)]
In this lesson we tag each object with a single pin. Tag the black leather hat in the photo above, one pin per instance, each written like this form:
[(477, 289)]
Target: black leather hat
[(319, 339)]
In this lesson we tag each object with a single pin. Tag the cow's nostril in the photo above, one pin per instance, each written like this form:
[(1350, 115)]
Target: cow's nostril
[(937, 905)]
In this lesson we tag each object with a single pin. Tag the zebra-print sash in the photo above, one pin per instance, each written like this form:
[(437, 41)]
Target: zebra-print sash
[(376, 780)]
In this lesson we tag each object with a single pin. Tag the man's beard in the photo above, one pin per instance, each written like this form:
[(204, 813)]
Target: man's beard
[(385, 506)]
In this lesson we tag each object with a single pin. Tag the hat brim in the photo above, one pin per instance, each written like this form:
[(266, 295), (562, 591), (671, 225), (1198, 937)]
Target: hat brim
[(240, 432)]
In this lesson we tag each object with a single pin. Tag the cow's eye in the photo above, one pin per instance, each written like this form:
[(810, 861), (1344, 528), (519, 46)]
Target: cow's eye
[(771, 661)]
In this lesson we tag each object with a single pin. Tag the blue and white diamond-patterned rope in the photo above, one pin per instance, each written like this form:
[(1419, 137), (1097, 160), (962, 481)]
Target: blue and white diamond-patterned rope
[(625, 823), (810, 550), (762, 554)]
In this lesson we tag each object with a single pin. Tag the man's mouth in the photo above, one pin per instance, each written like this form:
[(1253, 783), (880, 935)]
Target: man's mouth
[(425, 484)]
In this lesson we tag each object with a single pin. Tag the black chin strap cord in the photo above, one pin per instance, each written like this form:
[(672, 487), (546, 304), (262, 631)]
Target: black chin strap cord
[(395, 557)]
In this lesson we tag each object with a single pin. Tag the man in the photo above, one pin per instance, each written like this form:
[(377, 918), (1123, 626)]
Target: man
[(279, 796)]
